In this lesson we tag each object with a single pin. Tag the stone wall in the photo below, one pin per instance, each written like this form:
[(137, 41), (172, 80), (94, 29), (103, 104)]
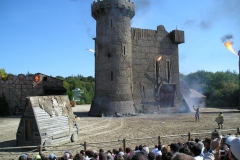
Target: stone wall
[(149, 73), (17, 88)]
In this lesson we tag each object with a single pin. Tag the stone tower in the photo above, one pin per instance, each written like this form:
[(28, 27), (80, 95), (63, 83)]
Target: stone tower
[(113, 57)]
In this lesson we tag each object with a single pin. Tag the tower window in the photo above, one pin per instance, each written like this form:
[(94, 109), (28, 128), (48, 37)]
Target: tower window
[(124, 50), (111, 75), (111, 23), (157, 71), (144, 95), (168, 71)]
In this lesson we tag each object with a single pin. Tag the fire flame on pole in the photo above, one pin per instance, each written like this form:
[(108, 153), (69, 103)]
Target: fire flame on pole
[(91, 50), (229, 47), (159, 58)]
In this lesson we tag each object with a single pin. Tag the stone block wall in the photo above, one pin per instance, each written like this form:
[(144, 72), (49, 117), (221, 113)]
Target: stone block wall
[(148, 73), (17, 88)]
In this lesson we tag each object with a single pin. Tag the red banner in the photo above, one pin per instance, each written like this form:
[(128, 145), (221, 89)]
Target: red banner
[(36, 78)]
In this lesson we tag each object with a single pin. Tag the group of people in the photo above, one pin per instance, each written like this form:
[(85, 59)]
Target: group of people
[(207, 149), (219, 119)]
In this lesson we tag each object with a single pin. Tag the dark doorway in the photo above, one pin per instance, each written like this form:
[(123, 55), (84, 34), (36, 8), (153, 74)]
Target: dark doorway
[(167, 93), (28, 130)]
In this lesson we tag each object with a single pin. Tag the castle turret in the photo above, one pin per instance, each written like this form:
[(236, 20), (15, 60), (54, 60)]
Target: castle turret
[(113, 57)]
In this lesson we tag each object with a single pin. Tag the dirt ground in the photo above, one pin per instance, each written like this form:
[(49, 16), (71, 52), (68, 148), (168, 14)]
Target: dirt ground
[(143, 129)]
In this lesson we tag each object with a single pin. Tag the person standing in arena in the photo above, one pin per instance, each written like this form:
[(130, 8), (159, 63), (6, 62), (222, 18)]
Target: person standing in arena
[(221, 120), (197, 114)]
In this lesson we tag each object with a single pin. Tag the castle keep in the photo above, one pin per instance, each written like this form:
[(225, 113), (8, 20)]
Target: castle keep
[(136, 70)]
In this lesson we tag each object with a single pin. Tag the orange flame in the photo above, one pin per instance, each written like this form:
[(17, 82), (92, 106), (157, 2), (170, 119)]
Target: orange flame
[(159, 58), (229, 46)]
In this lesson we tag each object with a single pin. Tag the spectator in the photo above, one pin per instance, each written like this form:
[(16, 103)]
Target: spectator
[(167, 156), (213, 153), (185, 151), (119, 157), (120, 151), (114, 152), (158, 157), (180, 145), (89, 155), (23, 157), (136, 149), (82, 152), (29, 157), (110, 157), (146, 149), (67, 155), (196, 151), (165, 149), (128, 152), (101, 151), (78, 157), (102, 156), (151, 156), (206, 143), (200, 143), (140, 147), (109, 152), (139, 156), (197, 140), (52, 157), (234, 150), (159, 152), (174, 149), (95, 155), (155, 149), (37, 157), (181, 156)]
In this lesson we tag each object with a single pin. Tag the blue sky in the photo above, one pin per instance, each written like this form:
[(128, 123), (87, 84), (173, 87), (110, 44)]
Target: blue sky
[(51, 36)]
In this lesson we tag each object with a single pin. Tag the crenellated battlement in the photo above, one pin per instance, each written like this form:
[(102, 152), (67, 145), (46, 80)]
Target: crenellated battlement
[(103, 7)]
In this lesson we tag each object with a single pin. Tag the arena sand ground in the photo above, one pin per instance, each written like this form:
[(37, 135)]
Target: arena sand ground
[(143, 129)]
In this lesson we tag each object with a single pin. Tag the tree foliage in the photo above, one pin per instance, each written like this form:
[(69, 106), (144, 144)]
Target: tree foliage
[(2, 71), (84, 83), (221, 88)]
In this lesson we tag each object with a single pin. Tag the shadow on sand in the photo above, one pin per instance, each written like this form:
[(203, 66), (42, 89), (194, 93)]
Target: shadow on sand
[(210, 112), (12, 143), (81, 114)]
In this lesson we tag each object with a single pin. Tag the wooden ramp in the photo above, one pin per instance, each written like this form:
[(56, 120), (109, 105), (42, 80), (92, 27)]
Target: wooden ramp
[(47, 120)]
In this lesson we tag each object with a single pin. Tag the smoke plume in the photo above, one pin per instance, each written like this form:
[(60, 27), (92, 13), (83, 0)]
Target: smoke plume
[(142, 6), (203, 24), (217, 11), (227, 37)]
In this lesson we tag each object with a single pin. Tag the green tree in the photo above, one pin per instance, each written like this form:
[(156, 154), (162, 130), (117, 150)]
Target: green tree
[(221, 88), (84, 83), (2, 71), (29, 74)]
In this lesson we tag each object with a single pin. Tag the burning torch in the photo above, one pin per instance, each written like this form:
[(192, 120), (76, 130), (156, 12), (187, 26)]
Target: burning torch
[(157, 69), (229, 47)]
